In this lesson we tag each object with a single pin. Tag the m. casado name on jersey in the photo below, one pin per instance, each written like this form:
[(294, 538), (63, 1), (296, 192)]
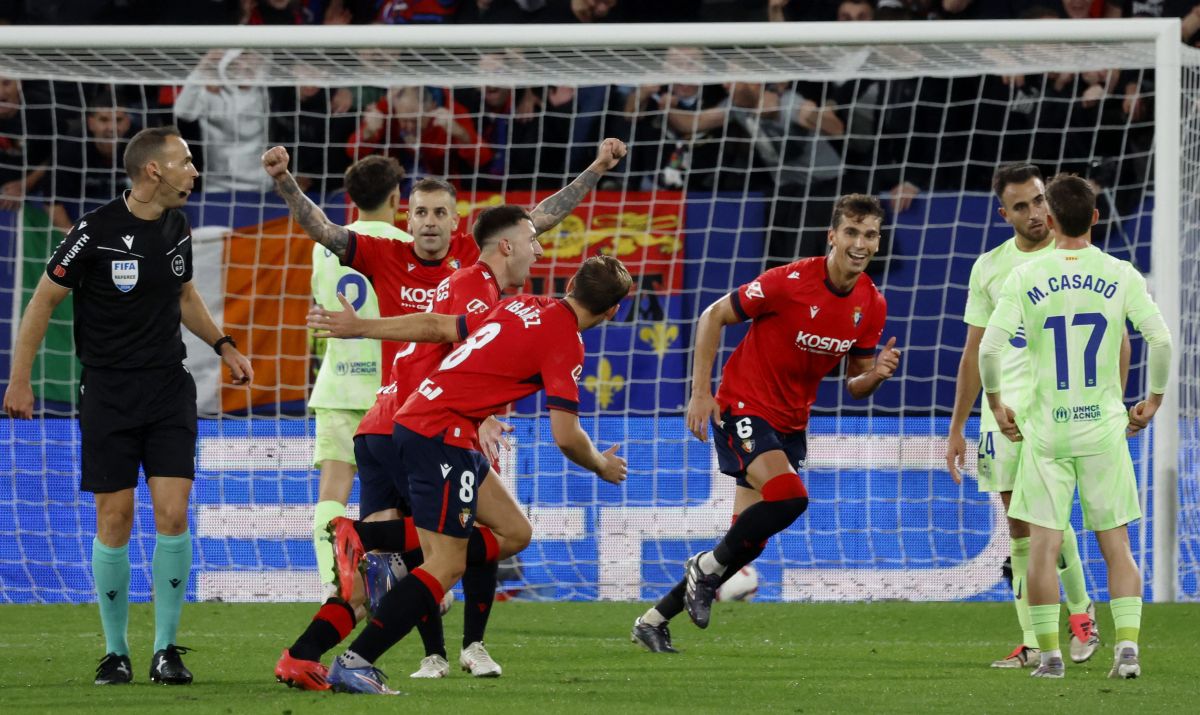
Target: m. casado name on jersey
[(822, 343), (1073, 281), (530, 315)]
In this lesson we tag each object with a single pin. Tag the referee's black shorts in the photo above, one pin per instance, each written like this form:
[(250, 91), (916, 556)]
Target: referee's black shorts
[(129, 418)]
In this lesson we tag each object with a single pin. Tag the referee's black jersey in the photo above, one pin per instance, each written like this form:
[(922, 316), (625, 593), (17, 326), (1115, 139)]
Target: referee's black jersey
[(126, 275)]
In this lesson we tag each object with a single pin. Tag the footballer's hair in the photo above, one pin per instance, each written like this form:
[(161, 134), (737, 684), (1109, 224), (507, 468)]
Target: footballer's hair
[(495, 220), (856, 206), (1072, 202), (145, 147), (370, 180), (1015, 173), (600, 283), (428, 186)]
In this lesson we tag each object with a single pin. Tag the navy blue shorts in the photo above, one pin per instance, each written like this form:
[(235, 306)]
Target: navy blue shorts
[(381, 481), (443, 482), (744, 437)]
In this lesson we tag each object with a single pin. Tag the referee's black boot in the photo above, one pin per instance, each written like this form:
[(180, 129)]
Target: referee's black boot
[(167, 666)]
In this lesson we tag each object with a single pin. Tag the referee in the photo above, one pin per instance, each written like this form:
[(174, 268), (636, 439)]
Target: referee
[(130, 266)]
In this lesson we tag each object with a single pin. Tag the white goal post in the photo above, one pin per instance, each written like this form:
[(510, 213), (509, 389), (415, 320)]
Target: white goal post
[(580, 55)]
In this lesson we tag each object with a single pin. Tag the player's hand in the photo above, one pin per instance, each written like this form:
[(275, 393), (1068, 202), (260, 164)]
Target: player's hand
[(700, 410), (902, 195), (1139, 416), (1007, 420), (613, 468), (241, 372), (18, 400), (491, 438), (956, 455), (12, 193), (275, 160), (335, 323), (611, 152), (887, 360)]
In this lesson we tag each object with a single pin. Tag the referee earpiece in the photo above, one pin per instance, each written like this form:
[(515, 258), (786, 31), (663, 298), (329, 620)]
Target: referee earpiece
[(182, 194)]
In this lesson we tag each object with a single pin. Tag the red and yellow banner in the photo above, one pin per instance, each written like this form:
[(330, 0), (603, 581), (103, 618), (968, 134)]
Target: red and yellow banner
[(268, 275)]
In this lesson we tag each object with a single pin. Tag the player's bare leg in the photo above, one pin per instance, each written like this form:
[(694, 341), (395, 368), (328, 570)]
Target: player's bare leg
[(1026, 654), (110, 572), (1125, 599), (1044, 547), (172, 567)]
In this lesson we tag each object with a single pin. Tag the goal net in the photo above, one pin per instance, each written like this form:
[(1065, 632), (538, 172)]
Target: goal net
[(740, 139)]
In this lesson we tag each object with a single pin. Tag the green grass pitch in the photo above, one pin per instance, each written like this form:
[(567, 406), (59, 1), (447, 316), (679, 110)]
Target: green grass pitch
[(577, 658)]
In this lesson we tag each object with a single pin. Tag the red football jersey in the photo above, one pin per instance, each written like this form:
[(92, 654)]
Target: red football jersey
[(403, 282), (470, 291), (801, 329), (524, 344)]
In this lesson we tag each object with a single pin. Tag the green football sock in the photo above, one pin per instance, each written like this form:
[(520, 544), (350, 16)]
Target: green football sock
[(1070, 572), (1045, 625), (1127, 617), (171, 567), (1020, 569), (110, 571), (323, 513)]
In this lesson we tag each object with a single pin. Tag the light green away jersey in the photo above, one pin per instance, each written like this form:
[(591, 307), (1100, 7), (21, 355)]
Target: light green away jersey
[(1074, 305), (987, 278), (350, 371)]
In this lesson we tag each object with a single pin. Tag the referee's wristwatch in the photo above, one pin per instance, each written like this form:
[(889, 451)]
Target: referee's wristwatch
[(224, 339)]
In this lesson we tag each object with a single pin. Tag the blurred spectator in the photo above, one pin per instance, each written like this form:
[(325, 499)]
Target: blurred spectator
[(233, 117), (984, 9), (498, 11), (121, 12), (1187, 10), (26, 132), (527, 129), (403, 12), (273, 12), (89, 167), (855, 11), (672, 144), (775, 145), (428, 139), (315, 123), (579, 11)]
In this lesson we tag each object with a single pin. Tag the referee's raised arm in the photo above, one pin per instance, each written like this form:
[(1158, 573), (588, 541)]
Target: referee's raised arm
[(310, 216), (18, 397)]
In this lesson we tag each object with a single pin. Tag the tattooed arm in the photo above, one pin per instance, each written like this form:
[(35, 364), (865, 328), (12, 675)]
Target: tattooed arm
[(554, 209), (310, 216)]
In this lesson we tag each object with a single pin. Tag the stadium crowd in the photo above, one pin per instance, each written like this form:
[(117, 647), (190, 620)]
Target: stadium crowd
[(802, 143), (338, 12)]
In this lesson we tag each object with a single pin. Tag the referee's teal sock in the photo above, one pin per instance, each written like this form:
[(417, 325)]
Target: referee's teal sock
[(110, 571), (172, 566)]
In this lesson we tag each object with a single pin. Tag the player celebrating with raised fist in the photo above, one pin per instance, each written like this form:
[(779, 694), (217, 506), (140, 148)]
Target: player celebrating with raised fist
[(522, 346), (806, 316)]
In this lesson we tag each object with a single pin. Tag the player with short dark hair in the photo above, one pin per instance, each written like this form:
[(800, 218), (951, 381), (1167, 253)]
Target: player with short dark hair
[(431, 215), (805, 318), (509, 248), (1073, 302), (1022, 195), (129, 264), (521, 346), (351, 370)]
